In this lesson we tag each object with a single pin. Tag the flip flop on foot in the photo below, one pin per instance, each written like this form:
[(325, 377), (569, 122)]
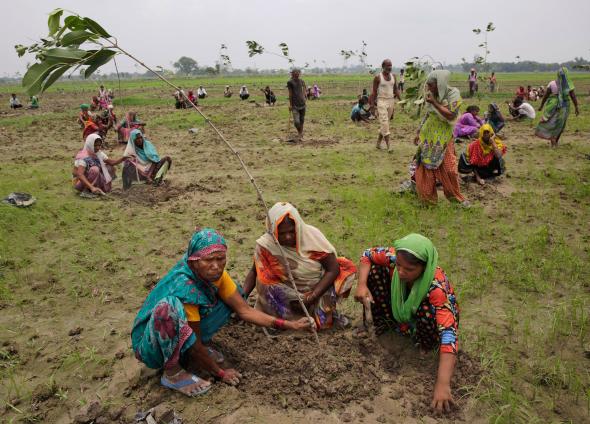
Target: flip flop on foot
[(186, 383)]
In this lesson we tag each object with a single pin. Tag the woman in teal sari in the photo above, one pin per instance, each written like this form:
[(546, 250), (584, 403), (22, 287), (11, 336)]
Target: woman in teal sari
[(184, 311), (557, 107), (142, 162)]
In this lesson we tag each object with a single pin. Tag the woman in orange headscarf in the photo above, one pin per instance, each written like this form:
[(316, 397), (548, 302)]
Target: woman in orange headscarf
[(322, 278)]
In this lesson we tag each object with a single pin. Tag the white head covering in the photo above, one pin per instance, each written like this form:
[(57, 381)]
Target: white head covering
[(89, 146)]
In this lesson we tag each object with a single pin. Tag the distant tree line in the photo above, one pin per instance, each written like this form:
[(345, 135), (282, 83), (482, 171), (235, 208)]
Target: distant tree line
[(522, 66), (186, 66)]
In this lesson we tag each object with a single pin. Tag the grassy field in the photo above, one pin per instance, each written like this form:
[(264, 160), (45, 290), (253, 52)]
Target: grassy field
[(74, 272)]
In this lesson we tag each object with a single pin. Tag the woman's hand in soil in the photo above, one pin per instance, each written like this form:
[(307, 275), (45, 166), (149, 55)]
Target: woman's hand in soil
[(231, 377), (96, 190), (363, 294), (301, 324), (442, 399)]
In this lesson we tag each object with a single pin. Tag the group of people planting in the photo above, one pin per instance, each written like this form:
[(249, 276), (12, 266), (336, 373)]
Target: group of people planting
[(94, 171), (402, 284), (297, 279)]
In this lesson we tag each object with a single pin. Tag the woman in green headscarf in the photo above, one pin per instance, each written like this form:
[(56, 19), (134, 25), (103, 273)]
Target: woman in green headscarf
[(556, 102), (187, 307), (435, 157), (409, 294)]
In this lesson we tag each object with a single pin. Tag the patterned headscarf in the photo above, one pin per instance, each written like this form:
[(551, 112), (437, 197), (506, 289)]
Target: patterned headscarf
[(205, 242)]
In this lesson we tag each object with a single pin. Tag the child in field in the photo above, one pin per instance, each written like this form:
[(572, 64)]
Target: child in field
[(227, 92), (201, 92)]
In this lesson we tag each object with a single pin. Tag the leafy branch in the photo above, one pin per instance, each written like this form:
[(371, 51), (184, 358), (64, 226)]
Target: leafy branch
[(416, 72), (63, 49), (362, 56), (255, 48)]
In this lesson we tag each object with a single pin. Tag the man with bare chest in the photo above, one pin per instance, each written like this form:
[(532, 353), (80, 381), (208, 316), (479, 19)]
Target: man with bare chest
[(385, 91)]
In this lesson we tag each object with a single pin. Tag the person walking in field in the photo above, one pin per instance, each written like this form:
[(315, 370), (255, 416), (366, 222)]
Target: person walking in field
[(297, 100), (493, 83), (556, 104), (385, 91), (472, 78), (435, 156)]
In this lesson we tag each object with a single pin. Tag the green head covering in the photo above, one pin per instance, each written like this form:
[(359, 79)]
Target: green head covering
[(423, 249), (84, 106)]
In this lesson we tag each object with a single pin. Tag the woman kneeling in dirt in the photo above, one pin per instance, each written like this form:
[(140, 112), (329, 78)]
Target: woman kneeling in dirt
[(186, 308), (142, 162), (322, 279), (484, 156), (410, 295), (128, 124), (93, 170)]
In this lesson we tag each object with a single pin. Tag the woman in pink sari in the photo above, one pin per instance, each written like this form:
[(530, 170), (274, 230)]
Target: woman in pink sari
[(128, 124), (93, 170), (469, 123)]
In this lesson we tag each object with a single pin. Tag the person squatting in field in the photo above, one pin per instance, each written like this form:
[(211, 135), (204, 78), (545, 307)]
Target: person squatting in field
[(93, 170), (297, 100), (174, 327), (322, 278), (410, 294), (358, 113), (520, 110), (269, 96), (128, 124), (469, 123), (484, 156), (385, 91), (142, 162)]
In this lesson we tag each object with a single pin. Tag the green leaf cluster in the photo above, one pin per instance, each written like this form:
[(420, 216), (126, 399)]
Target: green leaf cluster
[(62, 50)]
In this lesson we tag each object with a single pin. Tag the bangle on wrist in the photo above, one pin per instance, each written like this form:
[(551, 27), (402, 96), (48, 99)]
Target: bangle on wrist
[(278, 323), (221, 373)]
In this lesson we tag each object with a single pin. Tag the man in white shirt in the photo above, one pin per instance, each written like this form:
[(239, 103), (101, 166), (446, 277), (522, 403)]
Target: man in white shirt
[(15, 102), (201, 92), (520, 110)]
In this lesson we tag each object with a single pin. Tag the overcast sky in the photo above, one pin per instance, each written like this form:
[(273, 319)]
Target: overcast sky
[(160, 31)]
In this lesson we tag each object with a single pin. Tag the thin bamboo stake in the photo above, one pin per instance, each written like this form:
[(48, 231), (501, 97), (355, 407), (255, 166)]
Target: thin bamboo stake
[(244, 167)]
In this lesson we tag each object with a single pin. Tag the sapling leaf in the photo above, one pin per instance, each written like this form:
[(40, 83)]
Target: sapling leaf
[(76, 38), (35, 76), (96, 28), (54, 77), (97, 60), (20, 50), (65, 54), (74, 23), (53, 21)]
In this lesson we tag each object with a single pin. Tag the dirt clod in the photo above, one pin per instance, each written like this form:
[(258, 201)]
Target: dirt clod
[(75, 331)]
